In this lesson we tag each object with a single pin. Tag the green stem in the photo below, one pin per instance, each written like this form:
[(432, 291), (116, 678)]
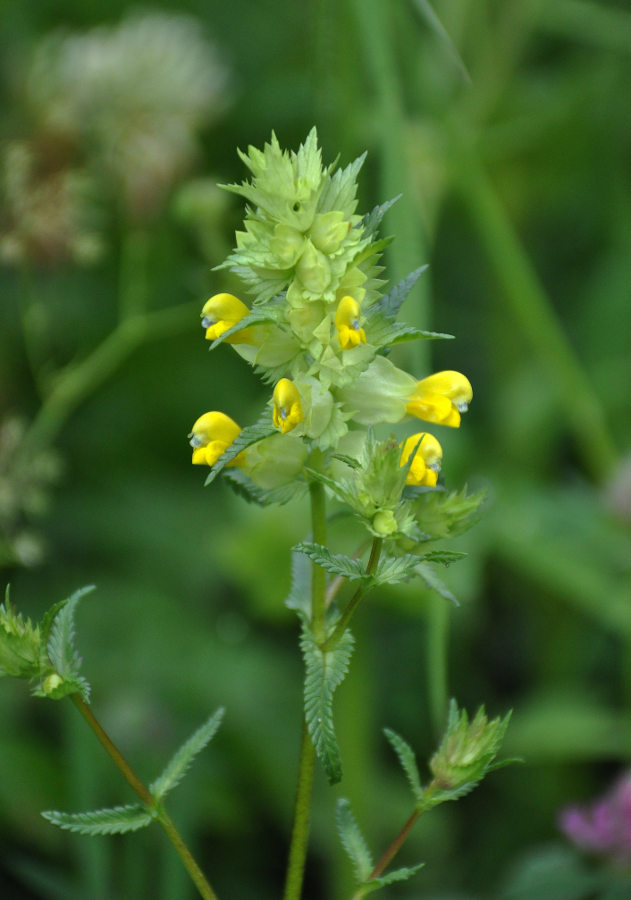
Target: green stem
[(533, 311), (306, 764), (74, 383), (146, 797), (344, 620), (395, 846)]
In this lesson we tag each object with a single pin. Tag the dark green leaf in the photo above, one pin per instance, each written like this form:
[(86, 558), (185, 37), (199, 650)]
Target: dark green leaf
[(325, 671), (335, 563), (117, 820), (353, 840), (179, 764), (407, 760)]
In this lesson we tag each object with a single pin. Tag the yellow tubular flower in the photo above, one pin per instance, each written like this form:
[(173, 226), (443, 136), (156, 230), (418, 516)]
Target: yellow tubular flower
[(212, 434), (349, 333), (220, 313), (440, 398), (287, 406), (427, 459)]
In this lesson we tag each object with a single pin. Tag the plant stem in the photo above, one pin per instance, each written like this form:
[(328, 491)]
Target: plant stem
[(344, 620), (395, 846), (74, 383), (306, 764), (146, 797)]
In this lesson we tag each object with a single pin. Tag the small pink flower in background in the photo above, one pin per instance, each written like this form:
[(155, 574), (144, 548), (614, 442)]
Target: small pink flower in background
[(605, 826)]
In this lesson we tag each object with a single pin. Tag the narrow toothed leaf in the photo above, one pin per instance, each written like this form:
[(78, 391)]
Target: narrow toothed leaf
[(372, 220), (61, 650), (353, 840), (179, 764), (248, 436), (395, 569), (443, 557), (335, 563), (392, 302), (431, 579), (407, 760), (325, 671), (245, 487), (116, 820), (257, 316), (374, 884)]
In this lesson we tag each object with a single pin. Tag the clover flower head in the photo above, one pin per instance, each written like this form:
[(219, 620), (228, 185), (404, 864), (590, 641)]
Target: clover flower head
[(603, 827)]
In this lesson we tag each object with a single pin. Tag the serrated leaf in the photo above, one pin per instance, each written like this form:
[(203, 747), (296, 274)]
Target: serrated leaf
[(300, 593), (116, 820), (325, 671), (257, 316), (374, 884), (179, 764), (335, 563), (392, 302), (384, 332), (248, 436), (372, 220), (348, 460), (339, 491), (252, 493), (443, 557), (432, 581), (61, 649), (407, 759), (395, 569), (353, 840)]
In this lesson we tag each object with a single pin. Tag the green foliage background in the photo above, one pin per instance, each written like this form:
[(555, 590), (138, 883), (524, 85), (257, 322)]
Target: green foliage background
[(505, 125)]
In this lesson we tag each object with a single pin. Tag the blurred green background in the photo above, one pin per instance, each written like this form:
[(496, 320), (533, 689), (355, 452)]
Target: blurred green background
[(506, 126)]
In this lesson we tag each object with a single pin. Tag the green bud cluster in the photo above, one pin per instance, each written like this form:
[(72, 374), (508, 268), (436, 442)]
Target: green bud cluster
[(467, 751), (20, 644)]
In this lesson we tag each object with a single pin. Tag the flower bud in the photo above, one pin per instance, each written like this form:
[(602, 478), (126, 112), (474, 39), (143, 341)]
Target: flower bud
[(313, 270), (467, 749), (19, 644), (328, 231), (287, 245)]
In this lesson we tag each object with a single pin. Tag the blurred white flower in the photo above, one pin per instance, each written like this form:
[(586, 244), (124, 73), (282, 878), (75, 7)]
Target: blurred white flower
[(135, 95)]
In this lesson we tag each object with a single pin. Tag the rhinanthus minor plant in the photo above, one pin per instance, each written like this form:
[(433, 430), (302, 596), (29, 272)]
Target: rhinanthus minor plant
[(318, 327)]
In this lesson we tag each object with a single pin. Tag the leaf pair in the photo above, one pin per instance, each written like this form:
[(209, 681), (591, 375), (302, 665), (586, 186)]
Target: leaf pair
[(121, 819)]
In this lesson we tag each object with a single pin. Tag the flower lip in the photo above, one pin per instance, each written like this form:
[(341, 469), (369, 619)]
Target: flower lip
[(288, 410), (349, 331)]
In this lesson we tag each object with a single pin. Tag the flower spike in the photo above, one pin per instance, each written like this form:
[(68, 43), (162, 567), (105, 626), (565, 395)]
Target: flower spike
[(220, 313), (349, 332), (441, 398), (287, 406), (211, 436), (426, 462)]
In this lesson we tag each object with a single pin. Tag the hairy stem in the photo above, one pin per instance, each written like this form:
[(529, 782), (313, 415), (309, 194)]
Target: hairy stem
[(306, 765), (145, 796), (344, 620)]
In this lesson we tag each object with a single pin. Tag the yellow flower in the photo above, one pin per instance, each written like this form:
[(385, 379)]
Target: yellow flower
[(440, 398), (211, 435), (220, 313), (427, 459), (287, 406), (349, 333)]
